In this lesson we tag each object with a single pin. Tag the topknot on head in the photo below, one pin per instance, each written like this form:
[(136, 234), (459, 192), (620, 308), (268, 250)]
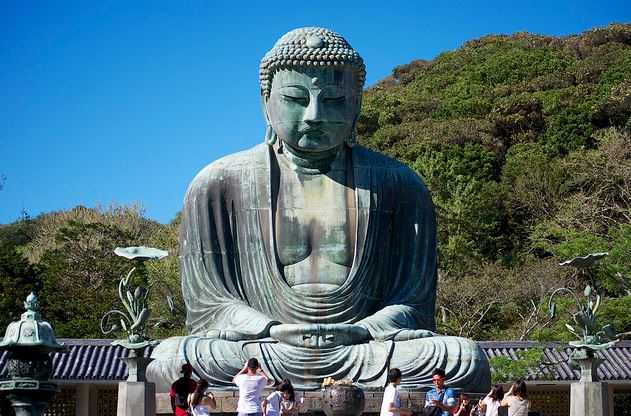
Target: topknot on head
[(309, 47)]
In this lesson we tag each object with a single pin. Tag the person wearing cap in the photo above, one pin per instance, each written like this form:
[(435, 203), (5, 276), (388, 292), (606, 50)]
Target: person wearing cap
[(439, 401), (180, 390)]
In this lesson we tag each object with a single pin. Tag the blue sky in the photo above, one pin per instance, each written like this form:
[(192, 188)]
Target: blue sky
[(124, 102)]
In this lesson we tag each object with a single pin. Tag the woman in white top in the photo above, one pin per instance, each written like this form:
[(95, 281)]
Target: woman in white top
[(282, 402), (491, 403), (251, 381), (391, 404), (201, 402), (517, 399)]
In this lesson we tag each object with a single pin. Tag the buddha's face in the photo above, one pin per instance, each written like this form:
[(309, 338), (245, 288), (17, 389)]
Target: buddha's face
[(313, 110)]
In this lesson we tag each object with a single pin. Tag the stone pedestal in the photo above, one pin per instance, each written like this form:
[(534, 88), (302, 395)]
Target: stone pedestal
[(136, 398), (589, 399)]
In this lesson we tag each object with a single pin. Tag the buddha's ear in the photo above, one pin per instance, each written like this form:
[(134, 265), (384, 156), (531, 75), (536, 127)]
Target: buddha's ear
[(270, 136), (264, 101)]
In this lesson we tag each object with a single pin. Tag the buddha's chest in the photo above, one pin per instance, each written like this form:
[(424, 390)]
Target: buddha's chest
[(314, 225)]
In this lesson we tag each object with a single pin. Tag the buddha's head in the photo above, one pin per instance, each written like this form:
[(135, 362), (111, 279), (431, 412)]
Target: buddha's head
[(311, 87)]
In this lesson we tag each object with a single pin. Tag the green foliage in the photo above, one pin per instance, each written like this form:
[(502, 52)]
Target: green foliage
[(525, 144), (17, 276), (68, 258), (466, 197), (506, 369)]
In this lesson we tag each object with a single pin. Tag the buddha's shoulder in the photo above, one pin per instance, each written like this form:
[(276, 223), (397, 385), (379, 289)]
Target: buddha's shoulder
[(232, 165), (366, 158)]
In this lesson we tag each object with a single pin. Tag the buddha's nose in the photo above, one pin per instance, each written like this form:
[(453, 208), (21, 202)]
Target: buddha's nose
[(312, 114)]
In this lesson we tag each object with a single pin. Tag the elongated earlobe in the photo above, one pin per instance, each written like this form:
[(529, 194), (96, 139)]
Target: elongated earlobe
[(270, 135)]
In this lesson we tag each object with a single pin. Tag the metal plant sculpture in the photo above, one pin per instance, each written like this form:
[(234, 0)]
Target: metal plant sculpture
[(590, 334), (592, 337), (132, 321)]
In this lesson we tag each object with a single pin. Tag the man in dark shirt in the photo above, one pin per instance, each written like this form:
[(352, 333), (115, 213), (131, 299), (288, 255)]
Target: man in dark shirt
[(180, 390)]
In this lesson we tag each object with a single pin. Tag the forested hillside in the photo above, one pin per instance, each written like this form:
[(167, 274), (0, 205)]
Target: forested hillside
[(525, 144)]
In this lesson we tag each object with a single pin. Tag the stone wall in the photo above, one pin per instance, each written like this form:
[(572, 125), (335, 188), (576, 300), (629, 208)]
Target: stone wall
[(227, 401)]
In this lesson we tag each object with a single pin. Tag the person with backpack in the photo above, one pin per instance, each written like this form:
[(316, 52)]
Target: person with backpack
[(439, 401), (180, 389)]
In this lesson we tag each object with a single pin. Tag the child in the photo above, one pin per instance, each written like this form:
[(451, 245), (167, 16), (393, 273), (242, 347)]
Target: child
[(282, 402)]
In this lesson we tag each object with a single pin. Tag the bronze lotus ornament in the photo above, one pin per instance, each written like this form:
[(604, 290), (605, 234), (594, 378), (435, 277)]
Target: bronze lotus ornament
[(133, 320)]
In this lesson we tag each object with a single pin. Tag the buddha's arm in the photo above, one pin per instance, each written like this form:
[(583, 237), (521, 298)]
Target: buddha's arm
[(232, 321), (395, 322), (409, 286), (212, 284)]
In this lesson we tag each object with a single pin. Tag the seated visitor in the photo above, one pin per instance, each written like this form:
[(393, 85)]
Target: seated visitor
[(310, 252), (201, 402), (439, 400), (180, 390), (391, 404)]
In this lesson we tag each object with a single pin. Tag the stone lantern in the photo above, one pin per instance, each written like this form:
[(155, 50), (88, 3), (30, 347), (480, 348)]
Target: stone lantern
[(29, 365)]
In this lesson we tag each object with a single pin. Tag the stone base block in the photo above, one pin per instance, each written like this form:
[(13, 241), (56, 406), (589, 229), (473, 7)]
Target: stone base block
[(589, 399), (136, 399)]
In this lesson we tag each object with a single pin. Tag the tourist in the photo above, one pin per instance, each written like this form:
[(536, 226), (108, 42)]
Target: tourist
[(180, 390), (391, 404), (200, 402), (464, 407), (490, 404), (517, 399), (439, 401), (282, 402), (251, 381)]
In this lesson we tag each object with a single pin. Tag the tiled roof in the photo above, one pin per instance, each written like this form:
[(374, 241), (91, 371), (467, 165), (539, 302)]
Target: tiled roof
[(93, 360), (86, 360), (615, 367)]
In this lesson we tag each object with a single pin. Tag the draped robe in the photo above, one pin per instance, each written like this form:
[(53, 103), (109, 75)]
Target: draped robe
[(233, 282)]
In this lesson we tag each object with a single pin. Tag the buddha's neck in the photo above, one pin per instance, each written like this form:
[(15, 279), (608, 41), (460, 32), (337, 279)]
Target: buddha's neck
[(313, 163)]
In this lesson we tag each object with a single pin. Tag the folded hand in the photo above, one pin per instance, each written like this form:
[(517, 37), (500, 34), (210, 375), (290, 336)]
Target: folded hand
[(320, 335)]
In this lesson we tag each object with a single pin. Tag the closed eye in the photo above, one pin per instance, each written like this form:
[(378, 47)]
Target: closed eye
[(335, 100), (293, 98)]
